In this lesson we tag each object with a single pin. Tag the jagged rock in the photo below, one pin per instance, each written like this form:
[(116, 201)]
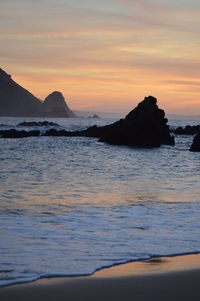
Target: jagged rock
[(145, 126), (18, 134), (35, 123), (188, 130), (54, 105), (195, 147)]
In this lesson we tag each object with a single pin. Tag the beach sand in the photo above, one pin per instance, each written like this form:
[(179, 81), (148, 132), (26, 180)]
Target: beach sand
[(168, 278)]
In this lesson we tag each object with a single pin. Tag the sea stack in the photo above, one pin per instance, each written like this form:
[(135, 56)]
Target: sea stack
[(54, 105), (144, 126)]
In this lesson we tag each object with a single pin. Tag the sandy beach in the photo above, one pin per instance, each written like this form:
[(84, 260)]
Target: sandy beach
[(168, 278)]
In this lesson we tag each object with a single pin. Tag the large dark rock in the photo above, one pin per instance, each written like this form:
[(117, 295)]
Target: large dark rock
[(195, 147), (145, 126), (54, 105)]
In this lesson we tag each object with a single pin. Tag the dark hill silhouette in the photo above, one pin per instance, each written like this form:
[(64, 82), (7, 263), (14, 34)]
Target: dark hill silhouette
[(17, 101), (55, 105)]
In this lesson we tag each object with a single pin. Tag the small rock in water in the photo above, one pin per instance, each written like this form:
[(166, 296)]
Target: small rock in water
[(188, 130), (94, 116), (37, 123)]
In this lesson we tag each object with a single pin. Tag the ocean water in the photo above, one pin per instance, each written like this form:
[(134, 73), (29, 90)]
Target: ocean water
[(69, 206)]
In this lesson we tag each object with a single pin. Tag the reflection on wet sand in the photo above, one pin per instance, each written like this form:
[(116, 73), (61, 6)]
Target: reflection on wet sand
[(154, 265)]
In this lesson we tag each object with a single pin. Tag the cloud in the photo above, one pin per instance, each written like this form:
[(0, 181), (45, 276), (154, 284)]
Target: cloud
[(149, 44)]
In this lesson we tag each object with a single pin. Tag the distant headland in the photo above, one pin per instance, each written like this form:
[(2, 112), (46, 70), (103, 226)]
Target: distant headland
[(17, 101)]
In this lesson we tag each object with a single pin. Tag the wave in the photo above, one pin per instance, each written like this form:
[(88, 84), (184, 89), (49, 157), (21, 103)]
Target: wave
[(155, 258)]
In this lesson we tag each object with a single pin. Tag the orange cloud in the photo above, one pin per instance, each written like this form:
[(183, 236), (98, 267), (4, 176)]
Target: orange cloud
[(105, 56)]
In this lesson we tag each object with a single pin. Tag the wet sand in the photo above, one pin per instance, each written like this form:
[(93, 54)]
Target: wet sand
[(168, 278)]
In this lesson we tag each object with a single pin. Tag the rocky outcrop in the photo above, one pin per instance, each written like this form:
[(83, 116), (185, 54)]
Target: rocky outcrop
[(145, 126), (18, 134), (36, 123), (17, 101), (55, 105), (195, 147), (187, 130)]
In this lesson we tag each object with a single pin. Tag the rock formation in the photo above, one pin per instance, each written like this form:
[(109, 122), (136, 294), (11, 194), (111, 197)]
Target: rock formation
[(187, 130), (195, 147), (145, 126), (17, 101), (37, 123), (94, 116), (55, 105)]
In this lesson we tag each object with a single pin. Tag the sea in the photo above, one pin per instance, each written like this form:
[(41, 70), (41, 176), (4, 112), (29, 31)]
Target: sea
[(70, 206)]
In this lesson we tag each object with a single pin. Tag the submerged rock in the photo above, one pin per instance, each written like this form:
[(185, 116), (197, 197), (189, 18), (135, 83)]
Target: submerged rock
[(59, 133), (18, 134), (37, 123), (187, 130), (195, 147)]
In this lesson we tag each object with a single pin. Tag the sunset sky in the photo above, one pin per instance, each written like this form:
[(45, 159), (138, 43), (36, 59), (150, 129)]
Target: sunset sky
[(105, 55)]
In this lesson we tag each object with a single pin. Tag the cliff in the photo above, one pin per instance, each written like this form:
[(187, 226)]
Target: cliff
[(17, 101)]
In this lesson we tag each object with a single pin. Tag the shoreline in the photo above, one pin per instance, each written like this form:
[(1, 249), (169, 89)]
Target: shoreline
[(102, 268), (158, 278)]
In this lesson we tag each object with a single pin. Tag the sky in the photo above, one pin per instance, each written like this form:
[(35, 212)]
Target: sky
[(105, 55)]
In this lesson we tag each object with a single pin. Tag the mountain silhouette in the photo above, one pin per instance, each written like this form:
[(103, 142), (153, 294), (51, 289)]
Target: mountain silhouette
[(17, 101), (55, 105)]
